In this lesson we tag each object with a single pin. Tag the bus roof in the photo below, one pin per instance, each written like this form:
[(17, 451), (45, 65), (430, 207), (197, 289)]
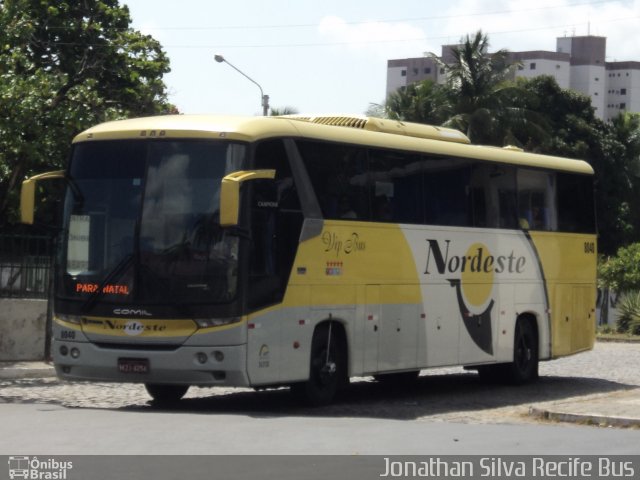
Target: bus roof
[(353, 129)]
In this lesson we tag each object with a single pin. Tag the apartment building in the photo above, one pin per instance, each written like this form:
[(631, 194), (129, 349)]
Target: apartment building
[(578, 63)]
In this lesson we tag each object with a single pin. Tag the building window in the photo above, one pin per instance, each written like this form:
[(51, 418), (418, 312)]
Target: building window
[(623, 91), (597, 79), (403, 73), (442, 71), (595, 94), (427, 70), (532, 66), (520, 67), (415, 71), (623, 106)]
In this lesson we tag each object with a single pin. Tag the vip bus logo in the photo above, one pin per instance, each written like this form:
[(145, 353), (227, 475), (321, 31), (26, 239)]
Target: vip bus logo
[(472, 275)]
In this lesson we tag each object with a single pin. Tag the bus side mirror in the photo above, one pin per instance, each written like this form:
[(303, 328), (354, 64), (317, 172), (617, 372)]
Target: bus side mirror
[(230, 193), (28, 194)]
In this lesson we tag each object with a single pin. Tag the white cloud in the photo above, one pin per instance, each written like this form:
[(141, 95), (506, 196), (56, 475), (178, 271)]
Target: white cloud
[(521, 25), (383, 39)]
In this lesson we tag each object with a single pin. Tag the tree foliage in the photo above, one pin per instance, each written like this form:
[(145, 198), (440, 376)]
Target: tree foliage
[(421, 102), (63, 67), (483, 100), (621, 272)]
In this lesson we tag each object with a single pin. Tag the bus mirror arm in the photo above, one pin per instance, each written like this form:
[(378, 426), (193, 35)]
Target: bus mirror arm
[(230, 193), (28, 194)]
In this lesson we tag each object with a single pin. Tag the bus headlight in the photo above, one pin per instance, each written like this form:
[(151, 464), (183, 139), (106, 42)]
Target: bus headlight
[(216, 322)]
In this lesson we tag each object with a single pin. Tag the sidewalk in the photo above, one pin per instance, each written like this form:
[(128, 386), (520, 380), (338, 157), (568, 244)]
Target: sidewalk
[(616, 409), (18, 370)]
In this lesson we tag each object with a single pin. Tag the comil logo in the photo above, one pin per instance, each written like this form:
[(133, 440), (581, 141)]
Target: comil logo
[(38, 469), (473, 275)]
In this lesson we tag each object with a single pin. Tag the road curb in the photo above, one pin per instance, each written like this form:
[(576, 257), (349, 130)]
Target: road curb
[(16, 373), (584, 419)]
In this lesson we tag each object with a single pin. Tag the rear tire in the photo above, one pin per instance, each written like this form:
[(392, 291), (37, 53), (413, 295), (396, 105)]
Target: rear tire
[(166, 394), (327, 373), (524, 368)]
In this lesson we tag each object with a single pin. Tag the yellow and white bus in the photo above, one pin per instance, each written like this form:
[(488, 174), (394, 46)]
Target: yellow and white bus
[(266, 251)]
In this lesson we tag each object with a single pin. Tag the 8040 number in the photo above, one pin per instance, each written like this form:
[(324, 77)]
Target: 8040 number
[(67, 335)]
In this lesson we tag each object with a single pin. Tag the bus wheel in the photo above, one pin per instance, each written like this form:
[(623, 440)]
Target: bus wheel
[(327, 369), (524, 367), (166, 394)]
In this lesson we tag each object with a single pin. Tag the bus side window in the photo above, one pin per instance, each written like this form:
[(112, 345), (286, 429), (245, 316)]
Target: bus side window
[(338, 175), (276, 221), (493, 188), (537, 200)]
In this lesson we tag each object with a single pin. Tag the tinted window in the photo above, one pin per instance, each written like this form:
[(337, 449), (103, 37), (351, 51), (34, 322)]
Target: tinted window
[(575, 203), (395, 187), (537, 200), (276, 221), (338, 174), (446, 191)]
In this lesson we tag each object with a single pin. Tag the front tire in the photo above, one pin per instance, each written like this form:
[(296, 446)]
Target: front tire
[(327, 368), (166, 394)]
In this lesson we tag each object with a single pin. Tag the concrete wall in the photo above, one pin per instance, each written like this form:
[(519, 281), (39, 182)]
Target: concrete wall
[(22, 329)]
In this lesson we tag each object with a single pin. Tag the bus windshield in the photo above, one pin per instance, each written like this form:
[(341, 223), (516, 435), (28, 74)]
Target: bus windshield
[(142, 222)]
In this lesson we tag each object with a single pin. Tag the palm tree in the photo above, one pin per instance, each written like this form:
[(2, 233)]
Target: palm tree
[(481, 94)]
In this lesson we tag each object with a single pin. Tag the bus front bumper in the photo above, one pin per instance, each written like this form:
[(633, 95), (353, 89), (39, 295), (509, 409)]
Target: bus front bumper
[(186, 365)]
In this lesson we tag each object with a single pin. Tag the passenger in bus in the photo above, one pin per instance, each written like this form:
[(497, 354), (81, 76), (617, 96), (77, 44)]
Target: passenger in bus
[(345, 210)]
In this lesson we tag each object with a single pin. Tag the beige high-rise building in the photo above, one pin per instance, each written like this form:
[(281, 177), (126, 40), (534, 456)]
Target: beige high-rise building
[(578, 63)]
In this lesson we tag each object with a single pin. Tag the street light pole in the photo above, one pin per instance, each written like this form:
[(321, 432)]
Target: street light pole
[(264, 98)]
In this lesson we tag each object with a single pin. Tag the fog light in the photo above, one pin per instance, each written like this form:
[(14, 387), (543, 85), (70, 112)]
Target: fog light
[(75, 353), (218, 355), (64, 351), (201, 357)]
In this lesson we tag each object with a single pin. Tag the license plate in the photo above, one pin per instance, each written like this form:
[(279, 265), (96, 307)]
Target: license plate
[(133, 365)]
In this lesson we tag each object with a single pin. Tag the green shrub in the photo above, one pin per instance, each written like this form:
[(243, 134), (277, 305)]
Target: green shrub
[(622, 272), (605, 329), (629, 313)]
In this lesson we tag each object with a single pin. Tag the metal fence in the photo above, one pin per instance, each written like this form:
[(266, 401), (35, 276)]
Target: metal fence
[(26, 265)]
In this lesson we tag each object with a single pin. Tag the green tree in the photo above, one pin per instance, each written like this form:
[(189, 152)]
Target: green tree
[(277, 111), (482, 98), (421, 102), (63, 67), (621, 272)]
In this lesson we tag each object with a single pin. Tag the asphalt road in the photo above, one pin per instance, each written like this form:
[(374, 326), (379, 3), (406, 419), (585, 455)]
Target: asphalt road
[(448, 411)]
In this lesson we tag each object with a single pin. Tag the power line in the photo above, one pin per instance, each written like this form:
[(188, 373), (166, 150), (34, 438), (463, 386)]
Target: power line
[(364, 22), (366, 42)]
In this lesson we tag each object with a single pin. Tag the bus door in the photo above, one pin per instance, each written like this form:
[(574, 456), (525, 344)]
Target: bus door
[(391, 330)]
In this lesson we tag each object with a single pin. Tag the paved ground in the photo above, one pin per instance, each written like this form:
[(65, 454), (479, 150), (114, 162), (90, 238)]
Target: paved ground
[(600, 387)]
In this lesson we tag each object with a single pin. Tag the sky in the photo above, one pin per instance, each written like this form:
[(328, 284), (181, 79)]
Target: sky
[(330, 56)]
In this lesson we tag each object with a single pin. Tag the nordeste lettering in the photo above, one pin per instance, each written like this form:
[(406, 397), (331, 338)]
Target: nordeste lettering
[(480, 261)]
